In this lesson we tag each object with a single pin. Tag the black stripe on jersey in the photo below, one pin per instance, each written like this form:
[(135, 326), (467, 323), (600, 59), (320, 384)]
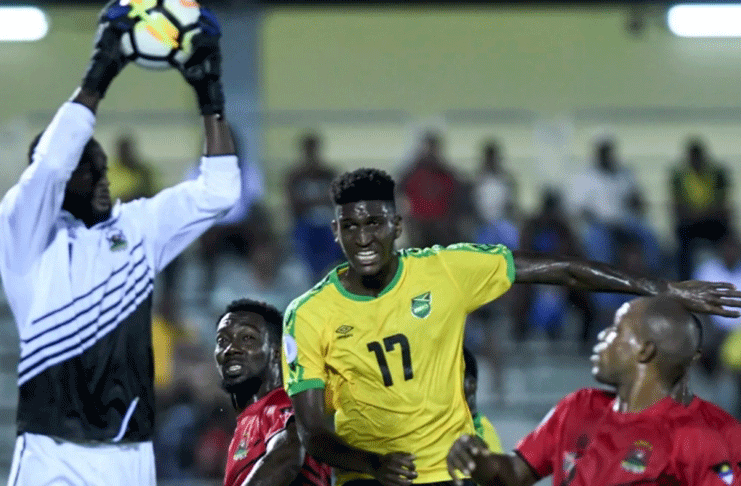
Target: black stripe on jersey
[(104, 328), (72, 302), (100, 301)]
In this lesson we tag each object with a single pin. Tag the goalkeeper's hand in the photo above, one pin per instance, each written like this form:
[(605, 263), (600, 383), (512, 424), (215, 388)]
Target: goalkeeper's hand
[(108, 59), (203, 69)]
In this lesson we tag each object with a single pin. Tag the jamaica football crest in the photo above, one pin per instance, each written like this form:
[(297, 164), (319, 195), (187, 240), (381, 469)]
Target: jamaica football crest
[(422, 305), (637, 458)]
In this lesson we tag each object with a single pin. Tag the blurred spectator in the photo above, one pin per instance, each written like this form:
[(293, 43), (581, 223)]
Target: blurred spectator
[(269, 275), (495, 188), (308, 194), (636, 223), (495, 198), (167, 334), (701, 207), (435, 197), (546, 306), (129, 176), (722, 265), (600, 198), (187, 441)]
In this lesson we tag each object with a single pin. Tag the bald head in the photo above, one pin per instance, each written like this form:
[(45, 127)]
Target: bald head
[(674, 332)]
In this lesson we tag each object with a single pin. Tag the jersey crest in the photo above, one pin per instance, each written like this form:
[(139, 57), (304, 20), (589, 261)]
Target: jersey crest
[(637, 458), (242, 450), (569, 461), (117, 240), (724, 472), (422, 305)]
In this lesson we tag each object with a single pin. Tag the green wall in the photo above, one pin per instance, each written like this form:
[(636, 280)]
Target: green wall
[(37, 76), (548, 60)]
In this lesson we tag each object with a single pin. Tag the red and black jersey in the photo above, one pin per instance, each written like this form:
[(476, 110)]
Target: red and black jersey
[(584, 441), (256, 426)]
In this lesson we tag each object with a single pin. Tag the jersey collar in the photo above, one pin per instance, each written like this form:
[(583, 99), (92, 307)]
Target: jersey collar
[(335, 279)]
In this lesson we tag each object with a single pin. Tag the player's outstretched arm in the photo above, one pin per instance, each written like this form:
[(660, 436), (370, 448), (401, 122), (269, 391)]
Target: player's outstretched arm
[(394, 469), (203, 72), (697, 296), (282, 460), (470, 456)]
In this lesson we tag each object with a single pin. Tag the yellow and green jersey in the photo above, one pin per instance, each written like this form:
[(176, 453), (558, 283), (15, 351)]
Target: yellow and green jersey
[(392, 366), (485, 430)]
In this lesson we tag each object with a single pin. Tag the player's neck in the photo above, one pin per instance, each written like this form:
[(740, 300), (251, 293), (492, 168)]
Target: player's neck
[(246, 396), (642, 392), (371, 285)]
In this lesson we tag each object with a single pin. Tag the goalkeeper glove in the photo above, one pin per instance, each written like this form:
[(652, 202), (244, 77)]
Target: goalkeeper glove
[(203, 70), (107, 59)]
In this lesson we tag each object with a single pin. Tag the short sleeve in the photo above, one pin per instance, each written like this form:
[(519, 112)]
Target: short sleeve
[(539, 447), (703, 457), (303, 352), (276, 421), (482, 272)]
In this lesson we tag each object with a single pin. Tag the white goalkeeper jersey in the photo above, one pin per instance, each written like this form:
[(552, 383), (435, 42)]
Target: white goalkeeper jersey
[(81, 297)]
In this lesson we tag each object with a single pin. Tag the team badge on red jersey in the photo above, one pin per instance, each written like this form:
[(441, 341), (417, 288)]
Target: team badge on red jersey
[(637, 458), (242, 449), (724, 472), (569, 461)]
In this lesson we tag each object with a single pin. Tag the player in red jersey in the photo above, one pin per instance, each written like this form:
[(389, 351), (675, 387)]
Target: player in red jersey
[(638, 435), (717, 418), (265, 449)]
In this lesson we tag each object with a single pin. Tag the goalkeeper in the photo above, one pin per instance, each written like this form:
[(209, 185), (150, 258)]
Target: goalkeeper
[(78, 273)]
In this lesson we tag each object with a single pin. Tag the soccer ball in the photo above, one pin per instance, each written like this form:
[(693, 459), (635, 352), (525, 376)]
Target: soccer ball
[(161, 34)]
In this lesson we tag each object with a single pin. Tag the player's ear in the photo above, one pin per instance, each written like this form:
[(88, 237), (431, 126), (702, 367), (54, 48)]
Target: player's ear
[(647, 352), (397, 226), (335, 225)]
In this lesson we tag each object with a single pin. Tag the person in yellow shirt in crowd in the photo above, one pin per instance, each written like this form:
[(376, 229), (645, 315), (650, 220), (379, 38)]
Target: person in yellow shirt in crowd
[(130, 177), (484, 429)]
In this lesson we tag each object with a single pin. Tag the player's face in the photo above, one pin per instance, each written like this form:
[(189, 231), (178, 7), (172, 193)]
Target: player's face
[(242, 348), (366, 231), (87, 193), (612, 356)]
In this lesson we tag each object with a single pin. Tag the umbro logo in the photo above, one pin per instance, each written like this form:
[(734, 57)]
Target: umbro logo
[(344, 331)]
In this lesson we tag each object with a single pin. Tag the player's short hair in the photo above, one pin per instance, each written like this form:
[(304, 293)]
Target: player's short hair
[(32, 147), (698, 327), (362, 185), (472, 369), (273, 317)]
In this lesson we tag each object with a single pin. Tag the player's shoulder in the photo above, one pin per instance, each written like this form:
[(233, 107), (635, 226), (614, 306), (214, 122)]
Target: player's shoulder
[(277, 403), (439, 252), (314, 296), (588, 399), (715, 416)]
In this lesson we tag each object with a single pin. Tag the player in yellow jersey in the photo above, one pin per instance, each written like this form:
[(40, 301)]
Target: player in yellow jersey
[(379, 341), (484, 429)]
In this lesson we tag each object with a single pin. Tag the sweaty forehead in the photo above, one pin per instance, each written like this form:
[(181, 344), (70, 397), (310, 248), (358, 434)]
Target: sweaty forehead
[(233, 320), (364, 209)]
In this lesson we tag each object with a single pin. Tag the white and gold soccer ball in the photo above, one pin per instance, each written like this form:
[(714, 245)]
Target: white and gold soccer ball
[(161, 33)]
